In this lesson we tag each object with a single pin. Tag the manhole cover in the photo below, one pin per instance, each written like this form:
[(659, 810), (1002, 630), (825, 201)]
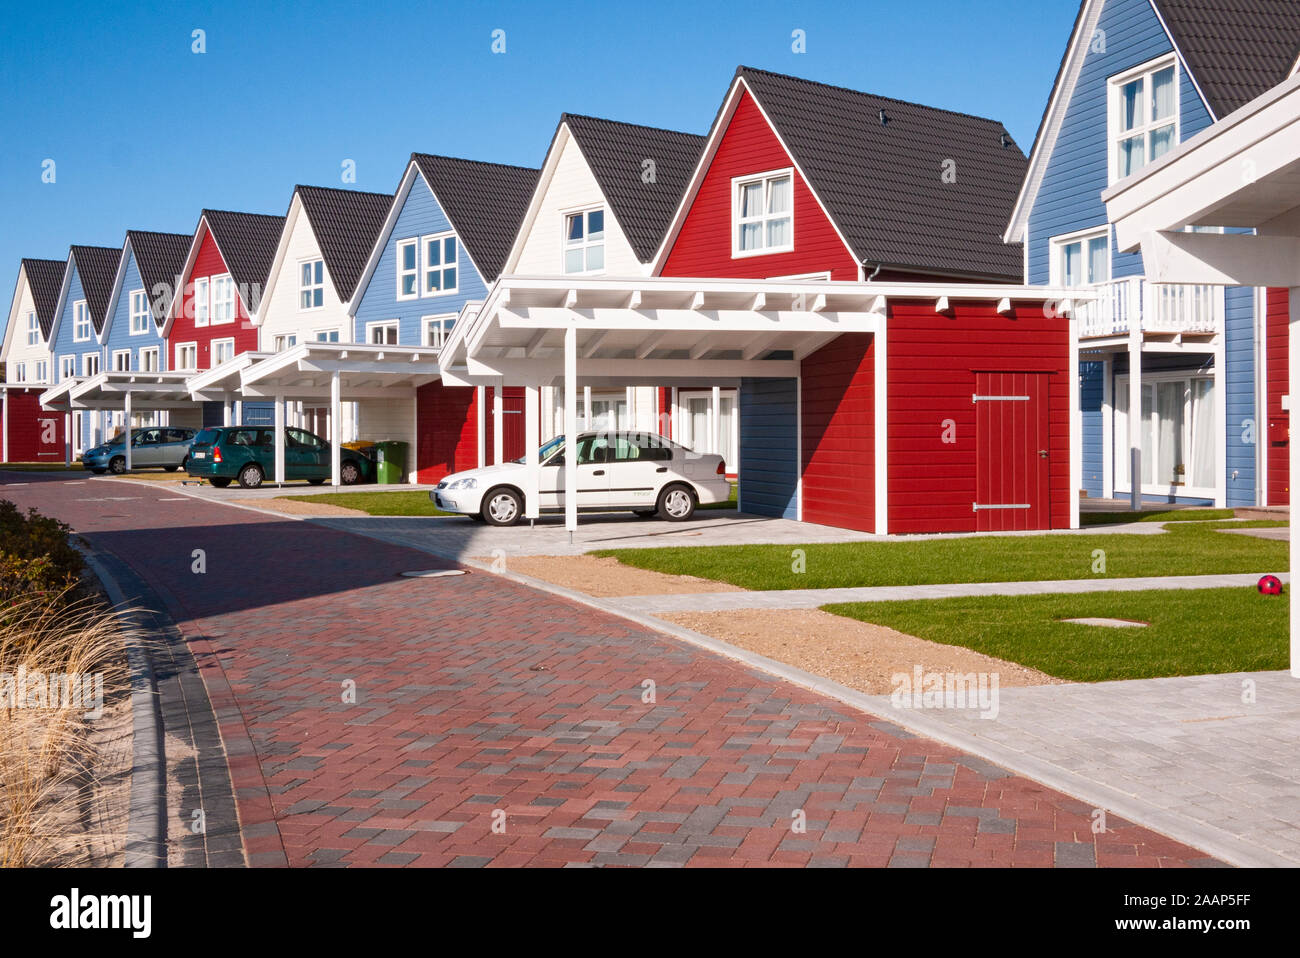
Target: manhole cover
[(433, 573), (1109, 623)]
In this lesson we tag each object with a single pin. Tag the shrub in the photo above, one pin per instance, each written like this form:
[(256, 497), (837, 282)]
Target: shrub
[(36, 556)]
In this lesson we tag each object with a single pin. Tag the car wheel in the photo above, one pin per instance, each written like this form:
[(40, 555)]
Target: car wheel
[(250, 477), (501, 507), (219, 481), (316, 482), (349, 473), (676, 503), (117, 465)]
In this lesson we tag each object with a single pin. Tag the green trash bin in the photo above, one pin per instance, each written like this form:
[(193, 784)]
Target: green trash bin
[(390, 463)]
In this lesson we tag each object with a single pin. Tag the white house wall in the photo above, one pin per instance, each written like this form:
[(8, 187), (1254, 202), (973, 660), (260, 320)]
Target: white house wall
[(389, 419), (279, 314), (18, 350)]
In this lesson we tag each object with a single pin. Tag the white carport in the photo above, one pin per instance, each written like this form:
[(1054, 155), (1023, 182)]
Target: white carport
[(131, 392), (387, 376), (666, 332), (1243, 172), (221, 384), (59, 398)]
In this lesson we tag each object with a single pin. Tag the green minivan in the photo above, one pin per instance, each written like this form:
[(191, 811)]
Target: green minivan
[(246, 454)]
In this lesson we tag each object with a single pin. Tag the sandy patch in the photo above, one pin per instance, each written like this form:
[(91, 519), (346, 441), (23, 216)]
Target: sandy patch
[(856, 654), (292, 507), (605, 576)]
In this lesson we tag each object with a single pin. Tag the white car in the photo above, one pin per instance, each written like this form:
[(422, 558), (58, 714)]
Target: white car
[(640, 471)]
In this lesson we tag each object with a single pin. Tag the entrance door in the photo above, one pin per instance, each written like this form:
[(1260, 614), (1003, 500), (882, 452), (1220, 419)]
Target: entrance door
[(1012, 462)]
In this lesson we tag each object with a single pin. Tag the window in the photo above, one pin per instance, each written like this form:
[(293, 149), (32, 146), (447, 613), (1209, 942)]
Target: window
[(223, 299), (223, 350), (140, 312), (67, 367), (640, 446), (382, 334), (90, 364), (304, 439), (20, 372), (311, 284), (42, 371), (436, 329), (1177, 432), (326, 335), (122, 360), (80, 322), (33, 330), (763, 214), (149, 359), (285, 341), (1143, 116), (408, 268), (1081, 259), (439, 264), (201, 302), (584, 242), (187, 356)]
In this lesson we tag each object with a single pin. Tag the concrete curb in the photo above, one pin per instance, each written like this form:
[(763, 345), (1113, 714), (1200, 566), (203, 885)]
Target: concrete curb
[(146, 838)]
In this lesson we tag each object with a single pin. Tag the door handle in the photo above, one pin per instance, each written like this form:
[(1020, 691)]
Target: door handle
[(599, 472), (1042, 454), (662, 469)]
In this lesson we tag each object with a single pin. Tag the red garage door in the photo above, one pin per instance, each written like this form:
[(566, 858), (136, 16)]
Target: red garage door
[(1011, 458)]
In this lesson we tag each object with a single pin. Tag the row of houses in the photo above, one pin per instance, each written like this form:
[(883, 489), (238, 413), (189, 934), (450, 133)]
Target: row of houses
[(884, 315)]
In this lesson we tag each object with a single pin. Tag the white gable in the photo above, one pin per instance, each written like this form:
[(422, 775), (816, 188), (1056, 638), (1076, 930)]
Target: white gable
[(280, 312), (15, 348)]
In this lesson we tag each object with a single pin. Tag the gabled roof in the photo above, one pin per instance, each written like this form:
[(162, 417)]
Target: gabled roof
[(45, 279), (616, 152), (97, 267), (247, 242), (1236, 49), (484, 201), (876, 166), (345, 223), (160, 257)]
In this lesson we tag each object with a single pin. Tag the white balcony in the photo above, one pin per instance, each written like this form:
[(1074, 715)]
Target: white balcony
[(1158, 309)]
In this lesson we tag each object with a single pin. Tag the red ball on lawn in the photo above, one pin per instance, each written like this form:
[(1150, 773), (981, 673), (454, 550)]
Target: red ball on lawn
[(1270, 585)]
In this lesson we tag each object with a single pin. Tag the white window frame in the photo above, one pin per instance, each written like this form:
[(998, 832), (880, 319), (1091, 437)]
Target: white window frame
[(425, 268), (183, 366), (80, 319), (323, 335), (312, 287), (33, 328), (766, 178), (141, 311), (20, 372), (215, 348), (202, 300), (567, 246), (69, 359), (1122, 459), (415, 271), (437, 328), (394, 324), (144, 362), (226, 282), (1114, 115), (42, 371), (1056, 268), (117, 356), (87, 361), (282, 341)]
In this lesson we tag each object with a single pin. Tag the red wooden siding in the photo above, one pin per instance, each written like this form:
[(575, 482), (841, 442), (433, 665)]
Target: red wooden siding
[(29, 426), (1012, 436), (209, 263), (512, 424), (1277, 419), (703, 246), (932, 361), (446, 426), (838, 434)]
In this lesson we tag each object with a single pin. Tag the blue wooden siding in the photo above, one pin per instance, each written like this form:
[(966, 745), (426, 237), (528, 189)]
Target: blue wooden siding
[(1239, 378), (421, 215), (119, 318), (1091, 396), (769, 447), (63, 343), (252, 414)]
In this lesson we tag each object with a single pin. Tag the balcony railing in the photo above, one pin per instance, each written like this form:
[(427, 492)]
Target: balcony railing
[(1158, 307)]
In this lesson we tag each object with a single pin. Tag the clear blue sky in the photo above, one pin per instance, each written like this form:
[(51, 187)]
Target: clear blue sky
[(145, 133)]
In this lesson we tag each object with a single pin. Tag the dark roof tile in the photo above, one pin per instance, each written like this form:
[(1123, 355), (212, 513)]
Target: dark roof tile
[(345, 223), (247, 242), (160, 257), (97, 267), (45, 279)]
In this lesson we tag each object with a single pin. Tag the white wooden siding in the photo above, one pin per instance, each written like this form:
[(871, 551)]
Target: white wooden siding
[(19, 351), (280, 314)]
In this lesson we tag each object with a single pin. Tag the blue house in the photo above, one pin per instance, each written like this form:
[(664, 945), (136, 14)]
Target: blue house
[(147, 275), (1173, 385), (75, 348)]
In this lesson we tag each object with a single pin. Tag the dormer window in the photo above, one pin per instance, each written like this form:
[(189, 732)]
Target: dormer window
[(140, 312), (584, 242), (80, 321), (311, 284), (33, 330), (763, 214), (1143, 116)]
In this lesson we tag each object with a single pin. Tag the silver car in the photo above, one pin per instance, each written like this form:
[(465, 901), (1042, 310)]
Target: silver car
[(152, 447)]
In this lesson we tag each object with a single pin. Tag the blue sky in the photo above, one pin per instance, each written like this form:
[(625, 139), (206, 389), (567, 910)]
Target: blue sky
[(144, 133)]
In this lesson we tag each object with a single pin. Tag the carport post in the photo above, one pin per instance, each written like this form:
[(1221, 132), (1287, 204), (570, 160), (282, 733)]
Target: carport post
[(1293, 362), (715, 422), (336, 449), (586, 407), (532, 480), (571, 430), (279, 440), (498, 443), (227, 410), (67, 438), (1134, 416), (126, 414)]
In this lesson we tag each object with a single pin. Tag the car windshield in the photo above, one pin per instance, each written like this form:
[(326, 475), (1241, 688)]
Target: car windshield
[(547, 450)]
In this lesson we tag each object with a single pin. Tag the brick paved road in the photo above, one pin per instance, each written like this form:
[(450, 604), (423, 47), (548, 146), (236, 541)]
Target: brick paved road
[(481, 702)]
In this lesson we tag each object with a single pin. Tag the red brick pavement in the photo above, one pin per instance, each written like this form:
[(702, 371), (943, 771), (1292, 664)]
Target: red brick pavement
[(495, 725)]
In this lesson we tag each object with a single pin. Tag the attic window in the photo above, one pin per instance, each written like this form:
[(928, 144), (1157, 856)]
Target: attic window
[(584, 242), (140, 312), (1143, 116), (80, 322), (311, 284), (763, 214), (33, 330)]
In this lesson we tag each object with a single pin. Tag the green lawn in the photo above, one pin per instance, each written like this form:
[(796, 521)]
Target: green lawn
[(1192, 548), (1191, 632), (40, 467), (414, 503), (1170, 515)]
